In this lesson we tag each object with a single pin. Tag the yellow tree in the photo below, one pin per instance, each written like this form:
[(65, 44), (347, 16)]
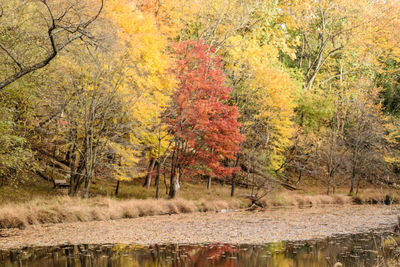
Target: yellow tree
[(147, 70), (266, 99), (264, 90)]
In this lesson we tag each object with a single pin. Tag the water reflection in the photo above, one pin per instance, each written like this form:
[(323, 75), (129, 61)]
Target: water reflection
[(351, 250)]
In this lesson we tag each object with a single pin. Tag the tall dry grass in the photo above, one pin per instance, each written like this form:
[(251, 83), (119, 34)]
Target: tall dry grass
[(377, 196), (298, 200), (67, 209)]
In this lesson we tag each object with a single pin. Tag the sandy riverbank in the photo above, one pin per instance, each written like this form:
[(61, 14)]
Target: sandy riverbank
[(232, 227)]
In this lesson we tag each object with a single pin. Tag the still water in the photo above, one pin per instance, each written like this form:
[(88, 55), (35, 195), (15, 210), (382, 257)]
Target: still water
[(351, 250)]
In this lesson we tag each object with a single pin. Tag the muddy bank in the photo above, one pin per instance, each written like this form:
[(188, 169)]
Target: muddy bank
[(232, 227)]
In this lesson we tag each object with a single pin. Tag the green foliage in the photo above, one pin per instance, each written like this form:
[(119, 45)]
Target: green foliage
[(315, 109), (389, 80), (14, 153)]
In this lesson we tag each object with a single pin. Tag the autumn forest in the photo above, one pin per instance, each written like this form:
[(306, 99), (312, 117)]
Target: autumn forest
[(256, 94)]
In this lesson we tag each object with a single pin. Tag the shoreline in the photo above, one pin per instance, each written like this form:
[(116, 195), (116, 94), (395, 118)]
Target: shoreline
[(238, 227)]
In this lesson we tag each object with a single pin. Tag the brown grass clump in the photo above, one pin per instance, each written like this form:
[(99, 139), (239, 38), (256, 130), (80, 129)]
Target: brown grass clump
[(218, 205), (298, 200), (10, 217), (340, 199), (376, 196), (183, 206)]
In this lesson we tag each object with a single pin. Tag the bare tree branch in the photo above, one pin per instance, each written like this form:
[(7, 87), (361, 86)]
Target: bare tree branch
[(11, 56), (52, 30)]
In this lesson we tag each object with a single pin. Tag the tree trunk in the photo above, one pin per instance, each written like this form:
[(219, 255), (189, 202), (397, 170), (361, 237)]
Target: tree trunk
[(76, 179), (300, 175), (117, 188), (353, 177), (75, 182), (87, 184), (75, 171), (353, 173), (158, 181), (234, 176), (174, 185), (72, 175), (209, 182), (165, 181), (358, 184), (328, 187), (156, 171), (233, 185), (147, 182), (72, 185)]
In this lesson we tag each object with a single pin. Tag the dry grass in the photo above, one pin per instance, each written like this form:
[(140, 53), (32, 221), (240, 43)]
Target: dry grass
[(377, 196), (296, 200), (66, 209), (218, 205), (19, 210)]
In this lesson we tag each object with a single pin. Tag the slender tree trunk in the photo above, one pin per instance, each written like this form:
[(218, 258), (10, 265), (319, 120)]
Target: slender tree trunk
[(234, 176), (155, 170), (209, 182), (172, 192), (149, 175), (117, 188), (158, 180), (353, 178), (175, 172), (233, 185), (87, 184), (328, 187), (172, 178), (177, 184), (158, 165), (165, 181), (174, 184), (72, 175), (358, 184), (354, 169), (300, 175), (86, 189), (72, 182)]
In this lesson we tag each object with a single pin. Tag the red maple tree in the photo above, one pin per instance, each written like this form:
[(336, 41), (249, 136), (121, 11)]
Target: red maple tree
[(205, 126)]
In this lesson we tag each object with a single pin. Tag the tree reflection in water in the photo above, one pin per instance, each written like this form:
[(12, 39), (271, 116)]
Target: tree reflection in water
[(351, 250)]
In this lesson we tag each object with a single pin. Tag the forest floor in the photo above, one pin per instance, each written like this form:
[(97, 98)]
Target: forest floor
[(37, 188), (241, 227)]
